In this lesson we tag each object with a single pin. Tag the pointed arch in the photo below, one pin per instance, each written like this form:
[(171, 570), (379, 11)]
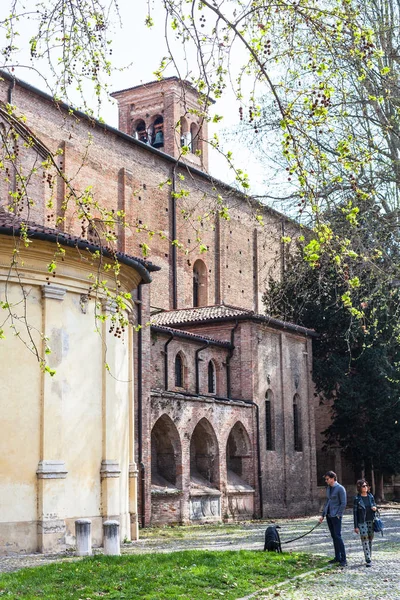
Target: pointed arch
[(297, 437), (238, 453), (200, 283), (204, 454), (166, 453)]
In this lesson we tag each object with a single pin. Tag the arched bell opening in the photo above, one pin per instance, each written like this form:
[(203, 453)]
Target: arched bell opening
[(185, 136), (204, 455), (157, 132), (194, 138), (166, 454), (139, 131), (239, 461)]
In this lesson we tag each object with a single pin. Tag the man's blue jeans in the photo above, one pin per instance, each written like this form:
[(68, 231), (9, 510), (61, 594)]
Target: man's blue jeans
[(335, 527)]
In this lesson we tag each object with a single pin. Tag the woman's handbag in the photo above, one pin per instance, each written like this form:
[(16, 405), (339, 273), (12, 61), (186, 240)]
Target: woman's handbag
[(377, 523)]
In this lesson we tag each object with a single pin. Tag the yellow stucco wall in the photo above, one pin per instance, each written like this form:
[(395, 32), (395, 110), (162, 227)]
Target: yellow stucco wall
[(70, 423)]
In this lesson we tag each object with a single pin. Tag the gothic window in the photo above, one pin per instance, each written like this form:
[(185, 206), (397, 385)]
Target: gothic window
[(200, 296), (298, 443), (269, 424), (179, 371), (211, 378)]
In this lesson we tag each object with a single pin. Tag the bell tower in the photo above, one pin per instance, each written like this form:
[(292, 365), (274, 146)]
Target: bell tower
[(164, 114)]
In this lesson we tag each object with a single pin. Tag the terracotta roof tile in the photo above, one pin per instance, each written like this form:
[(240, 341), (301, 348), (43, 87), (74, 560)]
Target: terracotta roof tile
[(187, 334), (222, 312), (203, 313)]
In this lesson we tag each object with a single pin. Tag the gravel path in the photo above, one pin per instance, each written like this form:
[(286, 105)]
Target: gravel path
[(381, 581)]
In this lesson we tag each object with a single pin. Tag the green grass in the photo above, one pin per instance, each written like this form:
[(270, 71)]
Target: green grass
[(188, 575), (187, 531)]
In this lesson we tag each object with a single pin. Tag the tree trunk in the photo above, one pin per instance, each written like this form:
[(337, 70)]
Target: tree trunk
[(379, 492)]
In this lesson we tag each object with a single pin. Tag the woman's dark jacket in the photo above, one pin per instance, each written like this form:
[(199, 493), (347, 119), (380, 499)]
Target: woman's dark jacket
[(359, 509)]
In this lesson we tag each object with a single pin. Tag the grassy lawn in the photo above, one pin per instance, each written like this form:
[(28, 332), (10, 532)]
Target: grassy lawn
[(189, 575)]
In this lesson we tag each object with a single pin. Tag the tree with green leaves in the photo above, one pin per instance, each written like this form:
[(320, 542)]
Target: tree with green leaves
[(356, 364), (329, 73)]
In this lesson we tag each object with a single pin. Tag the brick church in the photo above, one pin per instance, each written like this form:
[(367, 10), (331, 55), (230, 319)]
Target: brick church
[(223, 409)]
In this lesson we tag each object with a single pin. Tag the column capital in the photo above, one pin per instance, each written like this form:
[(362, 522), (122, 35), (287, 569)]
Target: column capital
[(51, 469), (55, 292), (109, 468)]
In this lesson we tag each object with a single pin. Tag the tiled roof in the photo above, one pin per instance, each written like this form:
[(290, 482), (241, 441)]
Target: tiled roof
[(198, 314), (10, 224), (221, 312), (191, 336)]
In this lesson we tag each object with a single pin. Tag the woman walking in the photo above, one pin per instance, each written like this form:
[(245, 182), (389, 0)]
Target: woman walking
[(364, 508)]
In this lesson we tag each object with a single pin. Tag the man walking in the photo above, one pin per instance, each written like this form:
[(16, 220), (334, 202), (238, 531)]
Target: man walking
[(333, 511)]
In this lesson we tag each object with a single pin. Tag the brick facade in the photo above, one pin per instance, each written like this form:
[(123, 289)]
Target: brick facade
[(201, 455)]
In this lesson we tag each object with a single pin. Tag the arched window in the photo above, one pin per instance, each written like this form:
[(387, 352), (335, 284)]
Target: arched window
[(269, 421), (212, 388), (298, 443), (179, 371), (200, 296)]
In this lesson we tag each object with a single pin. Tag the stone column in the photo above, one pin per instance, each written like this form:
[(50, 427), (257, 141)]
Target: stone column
[(51, 470)]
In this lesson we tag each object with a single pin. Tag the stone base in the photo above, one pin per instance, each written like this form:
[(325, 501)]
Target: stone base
[(166, 508), (205, 508), (18, 538), (51, 536), (240, 506)]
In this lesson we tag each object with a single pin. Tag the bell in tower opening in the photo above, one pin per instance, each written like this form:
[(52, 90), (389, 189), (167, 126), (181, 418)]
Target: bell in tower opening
[(158, 133), (155, 108)]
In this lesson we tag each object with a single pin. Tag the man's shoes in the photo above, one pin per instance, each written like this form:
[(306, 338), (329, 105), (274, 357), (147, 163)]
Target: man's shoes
[(333, 561), (343, 564), (368, 564)]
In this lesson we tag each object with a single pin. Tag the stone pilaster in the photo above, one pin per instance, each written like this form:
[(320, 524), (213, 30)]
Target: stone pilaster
[(110, 470), (133, 470), (51, 471)]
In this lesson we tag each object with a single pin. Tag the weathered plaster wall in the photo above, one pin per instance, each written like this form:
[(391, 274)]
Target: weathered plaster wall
[(69, 448)]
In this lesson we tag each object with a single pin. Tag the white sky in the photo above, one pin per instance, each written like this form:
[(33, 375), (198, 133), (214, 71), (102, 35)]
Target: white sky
[(137, 50)]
